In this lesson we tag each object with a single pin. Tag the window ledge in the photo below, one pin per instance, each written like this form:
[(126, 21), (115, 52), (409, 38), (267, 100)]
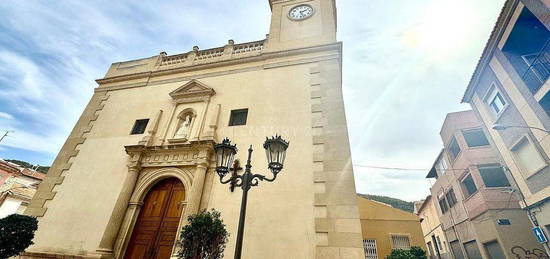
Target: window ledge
[(471, 195), (480, 147), (499, 115), (177, 140)]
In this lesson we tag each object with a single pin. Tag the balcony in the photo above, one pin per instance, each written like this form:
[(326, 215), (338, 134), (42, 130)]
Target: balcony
[(490, 199), (539, 69), (528, 50)]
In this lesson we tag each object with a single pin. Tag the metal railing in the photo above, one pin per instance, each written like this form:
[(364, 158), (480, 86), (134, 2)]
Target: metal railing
[(539, 71)]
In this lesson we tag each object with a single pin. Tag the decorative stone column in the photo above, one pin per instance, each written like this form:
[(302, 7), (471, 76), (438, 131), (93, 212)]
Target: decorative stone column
[(195, 195), (120, 210)]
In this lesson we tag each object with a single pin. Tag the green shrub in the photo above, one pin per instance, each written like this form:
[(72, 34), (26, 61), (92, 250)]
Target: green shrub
[(414, 252), (400, 254), (16, 234), (204, 236), (418, 252)]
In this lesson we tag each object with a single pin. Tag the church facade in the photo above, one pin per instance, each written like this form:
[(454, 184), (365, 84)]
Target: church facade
[(140, 158)]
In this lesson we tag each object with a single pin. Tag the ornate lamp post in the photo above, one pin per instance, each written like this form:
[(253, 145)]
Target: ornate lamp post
[(275, 149)]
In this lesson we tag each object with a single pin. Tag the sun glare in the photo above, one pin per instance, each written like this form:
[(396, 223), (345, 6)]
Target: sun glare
[(441, 30)]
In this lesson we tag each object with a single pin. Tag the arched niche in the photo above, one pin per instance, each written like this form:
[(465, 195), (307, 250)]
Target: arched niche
[(185, 124)]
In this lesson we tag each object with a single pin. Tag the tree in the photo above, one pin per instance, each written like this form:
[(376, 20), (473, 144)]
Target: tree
[(204, 237), (400, 254), (414, 252), (396, 203), (16, 234), (418, 252)]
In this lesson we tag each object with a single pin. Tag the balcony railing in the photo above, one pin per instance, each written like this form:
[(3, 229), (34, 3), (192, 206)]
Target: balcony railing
[(539, 69)]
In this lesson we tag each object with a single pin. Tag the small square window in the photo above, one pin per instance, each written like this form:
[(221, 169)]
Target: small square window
[(139, 126), (400, 242), (528, 157), (495, 100), (469, 185), (238, 117), (475, 138), (497, 103)]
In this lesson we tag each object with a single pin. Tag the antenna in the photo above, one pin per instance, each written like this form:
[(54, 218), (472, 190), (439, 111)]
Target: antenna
[(6, 134)]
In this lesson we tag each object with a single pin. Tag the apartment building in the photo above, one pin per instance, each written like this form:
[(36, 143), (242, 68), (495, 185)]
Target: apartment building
[(477, 205), (509, 91), (434, 237)]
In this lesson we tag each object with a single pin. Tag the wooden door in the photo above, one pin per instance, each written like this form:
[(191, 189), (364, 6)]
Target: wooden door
[(157, 224)]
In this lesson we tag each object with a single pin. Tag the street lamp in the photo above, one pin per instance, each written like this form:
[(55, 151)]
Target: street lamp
[(501, 127), (275, 149)]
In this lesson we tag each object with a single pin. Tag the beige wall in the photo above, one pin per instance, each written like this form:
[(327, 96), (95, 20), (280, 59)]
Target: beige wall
[(310, 211), (380, 221), (431, 226), (523, 109)]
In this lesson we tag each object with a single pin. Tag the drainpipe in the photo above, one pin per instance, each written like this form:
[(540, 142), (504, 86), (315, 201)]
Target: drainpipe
[(454, 228), (532, 217)]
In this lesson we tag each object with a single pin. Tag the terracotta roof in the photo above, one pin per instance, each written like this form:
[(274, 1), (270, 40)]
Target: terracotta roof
[(10, 167), (15, 169), (498, 29), (34, 174)]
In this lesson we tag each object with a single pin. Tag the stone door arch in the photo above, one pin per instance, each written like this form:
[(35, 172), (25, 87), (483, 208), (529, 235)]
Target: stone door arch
[(156, 228), (146, 183)]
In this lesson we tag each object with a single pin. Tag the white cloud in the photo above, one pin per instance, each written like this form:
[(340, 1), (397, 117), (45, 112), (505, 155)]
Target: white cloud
[(405, 66), (5, 115)]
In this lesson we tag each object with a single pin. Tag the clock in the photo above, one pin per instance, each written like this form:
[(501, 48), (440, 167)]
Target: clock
[(301, 12)]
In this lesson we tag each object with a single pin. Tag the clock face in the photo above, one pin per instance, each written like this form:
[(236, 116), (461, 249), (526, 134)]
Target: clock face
[(300, 12)]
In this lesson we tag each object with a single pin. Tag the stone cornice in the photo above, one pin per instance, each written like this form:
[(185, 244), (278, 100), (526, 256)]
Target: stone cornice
[(264, 56), (181, 154)]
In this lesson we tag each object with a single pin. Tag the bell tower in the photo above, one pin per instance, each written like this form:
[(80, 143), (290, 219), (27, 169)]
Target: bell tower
[(301, 23)]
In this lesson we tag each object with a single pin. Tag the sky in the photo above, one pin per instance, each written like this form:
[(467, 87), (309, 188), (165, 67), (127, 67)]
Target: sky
[(406, 65)]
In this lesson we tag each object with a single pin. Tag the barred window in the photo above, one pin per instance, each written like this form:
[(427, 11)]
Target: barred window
[(238, 117), (400, 242), (370, 249)]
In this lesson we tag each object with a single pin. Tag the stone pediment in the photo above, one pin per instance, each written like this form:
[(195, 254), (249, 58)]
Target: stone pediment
[(192, 90)]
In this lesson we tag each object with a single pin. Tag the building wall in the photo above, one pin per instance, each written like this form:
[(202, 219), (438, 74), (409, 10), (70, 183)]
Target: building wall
[(431, 227), (524, 109), (379, 221), (310, 211), (510, 237), (474, 217), (9, 206)]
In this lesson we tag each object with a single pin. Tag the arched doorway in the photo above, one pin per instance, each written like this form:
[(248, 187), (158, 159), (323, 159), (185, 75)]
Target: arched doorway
[(157, 224)]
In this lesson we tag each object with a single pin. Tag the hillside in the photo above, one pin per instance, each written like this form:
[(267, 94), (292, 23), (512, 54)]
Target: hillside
[(394, 202), (43, 169)]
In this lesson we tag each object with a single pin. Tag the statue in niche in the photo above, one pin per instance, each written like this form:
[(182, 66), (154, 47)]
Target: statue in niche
[(185, 127)]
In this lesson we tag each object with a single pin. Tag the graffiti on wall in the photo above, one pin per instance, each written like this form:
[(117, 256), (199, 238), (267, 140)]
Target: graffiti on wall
[(522, 253)]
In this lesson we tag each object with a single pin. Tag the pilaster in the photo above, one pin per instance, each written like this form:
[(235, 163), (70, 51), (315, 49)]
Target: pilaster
[(337, 225)]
